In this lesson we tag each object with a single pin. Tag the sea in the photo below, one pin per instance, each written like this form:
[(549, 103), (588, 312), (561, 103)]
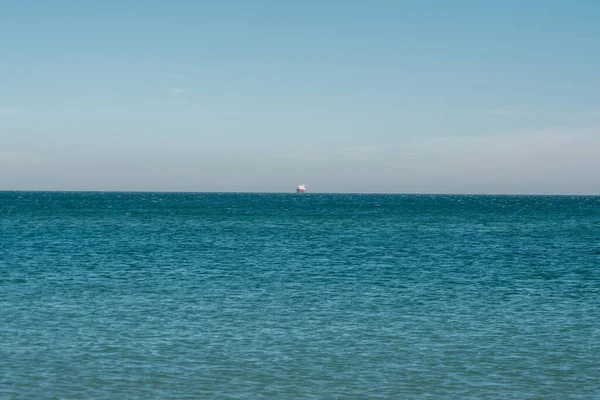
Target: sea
[(298, 296)]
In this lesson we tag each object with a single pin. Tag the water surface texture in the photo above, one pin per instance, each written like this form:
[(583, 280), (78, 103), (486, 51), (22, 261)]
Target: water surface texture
[(187, 295)]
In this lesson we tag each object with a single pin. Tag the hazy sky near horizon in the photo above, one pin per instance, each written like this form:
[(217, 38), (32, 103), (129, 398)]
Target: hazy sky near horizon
[(345, 96)]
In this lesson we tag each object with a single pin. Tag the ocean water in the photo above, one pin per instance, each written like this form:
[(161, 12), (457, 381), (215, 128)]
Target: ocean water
[(286, 296)]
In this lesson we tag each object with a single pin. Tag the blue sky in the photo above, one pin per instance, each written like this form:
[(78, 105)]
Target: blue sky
[(352, 96)]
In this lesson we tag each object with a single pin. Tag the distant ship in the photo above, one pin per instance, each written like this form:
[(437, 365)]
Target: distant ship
[(300, 189)]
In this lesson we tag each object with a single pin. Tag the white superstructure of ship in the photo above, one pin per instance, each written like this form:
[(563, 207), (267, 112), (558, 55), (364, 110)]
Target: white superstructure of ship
[(301, 188)]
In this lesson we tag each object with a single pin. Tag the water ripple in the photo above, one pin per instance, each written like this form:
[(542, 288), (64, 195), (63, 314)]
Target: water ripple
[(155, 295)]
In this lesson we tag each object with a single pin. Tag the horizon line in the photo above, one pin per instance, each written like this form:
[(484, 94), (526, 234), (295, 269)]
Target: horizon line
[(294, 193)]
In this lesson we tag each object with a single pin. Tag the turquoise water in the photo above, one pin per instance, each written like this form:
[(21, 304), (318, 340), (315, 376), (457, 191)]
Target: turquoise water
[(156, 295)]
